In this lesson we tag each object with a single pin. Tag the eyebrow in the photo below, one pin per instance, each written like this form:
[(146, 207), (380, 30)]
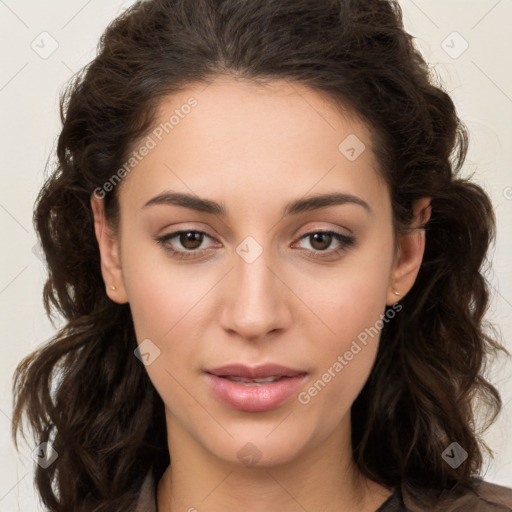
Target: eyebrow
[(295, 207)]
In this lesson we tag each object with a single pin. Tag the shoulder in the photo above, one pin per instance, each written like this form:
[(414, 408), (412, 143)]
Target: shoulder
[(480, 496)]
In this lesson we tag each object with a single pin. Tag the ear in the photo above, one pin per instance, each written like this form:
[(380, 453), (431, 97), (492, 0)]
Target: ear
[(109, 253), (411, 247)]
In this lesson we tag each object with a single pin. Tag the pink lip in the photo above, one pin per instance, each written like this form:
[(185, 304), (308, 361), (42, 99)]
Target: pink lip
[(255, 398)]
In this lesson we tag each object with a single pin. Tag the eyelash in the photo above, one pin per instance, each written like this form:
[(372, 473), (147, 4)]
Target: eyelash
[(345, 240)]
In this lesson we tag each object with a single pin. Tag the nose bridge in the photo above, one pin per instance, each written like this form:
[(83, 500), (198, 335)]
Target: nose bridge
[(255, 305)]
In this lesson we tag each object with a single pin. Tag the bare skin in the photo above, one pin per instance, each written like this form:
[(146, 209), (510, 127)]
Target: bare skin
[(254, 149)]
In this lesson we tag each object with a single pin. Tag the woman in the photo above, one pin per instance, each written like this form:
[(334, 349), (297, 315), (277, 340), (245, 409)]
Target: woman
[(269, 268)]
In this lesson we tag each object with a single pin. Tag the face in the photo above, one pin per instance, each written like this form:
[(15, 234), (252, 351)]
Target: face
[(256, 280)]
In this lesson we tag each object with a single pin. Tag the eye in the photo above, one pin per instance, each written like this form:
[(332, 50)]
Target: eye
[(321, 240), (191, 241)]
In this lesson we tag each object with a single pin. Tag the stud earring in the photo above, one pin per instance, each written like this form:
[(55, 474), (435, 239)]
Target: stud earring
[(112, 287), (396, 293)]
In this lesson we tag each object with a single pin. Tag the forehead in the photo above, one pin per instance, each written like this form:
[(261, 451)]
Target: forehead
[(236, 105), (254, 138)]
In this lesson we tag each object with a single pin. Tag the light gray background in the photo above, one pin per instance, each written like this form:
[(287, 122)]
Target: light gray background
[(478, 77)]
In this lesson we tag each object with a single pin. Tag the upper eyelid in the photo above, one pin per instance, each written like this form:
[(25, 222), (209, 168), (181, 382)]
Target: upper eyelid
[(310, 230)]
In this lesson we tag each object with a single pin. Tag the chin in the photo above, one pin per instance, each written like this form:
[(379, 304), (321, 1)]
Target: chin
[(257, 448)]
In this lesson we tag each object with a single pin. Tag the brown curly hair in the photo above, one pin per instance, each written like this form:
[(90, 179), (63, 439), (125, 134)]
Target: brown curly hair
[(103, 416)]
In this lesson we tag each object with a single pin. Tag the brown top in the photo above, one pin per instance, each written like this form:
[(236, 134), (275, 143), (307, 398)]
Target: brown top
[(484, 497)]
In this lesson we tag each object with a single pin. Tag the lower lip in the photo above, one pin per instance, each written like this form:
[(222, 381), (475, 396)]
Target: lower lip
[(254, 398)]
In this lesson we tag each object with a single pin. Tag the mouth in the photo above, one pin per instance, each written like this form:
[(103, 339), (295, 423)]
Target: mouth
[(252, 382), (254, 389)]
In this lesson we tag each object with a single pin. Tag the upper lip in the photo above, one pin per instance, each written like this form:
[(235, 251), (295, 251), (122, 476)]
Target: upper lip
[(255, 372)]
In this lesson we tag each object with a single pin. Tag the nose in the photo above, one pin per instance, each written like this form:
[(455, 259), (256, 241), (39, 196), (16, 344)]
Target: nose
[(257, 301)]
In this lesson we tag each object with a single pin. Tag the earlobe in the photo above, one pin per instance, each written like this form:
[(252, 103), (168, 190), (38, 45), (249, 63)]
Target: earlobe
[(109, 253), (411, 247)]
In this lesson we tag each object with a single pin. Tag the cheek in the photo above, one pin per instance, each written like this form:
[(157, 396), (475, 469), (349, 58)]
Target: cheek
[(352, 307), (163, 296), (350, 298), (167, 304), (344, 359), (164, 304)]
